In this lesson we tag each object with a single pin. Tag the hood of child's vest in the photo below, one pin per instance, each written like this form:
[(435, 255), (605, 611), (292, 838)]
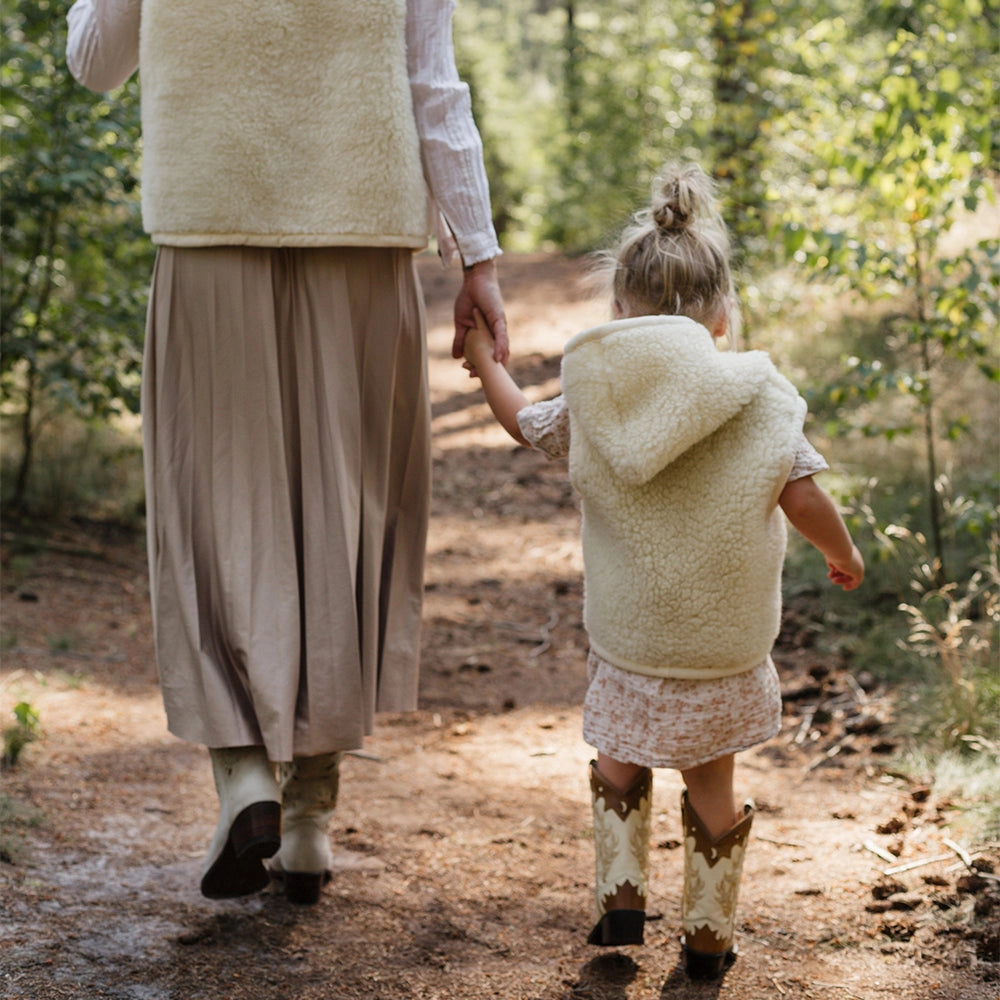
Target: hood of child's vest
[(644, 390)]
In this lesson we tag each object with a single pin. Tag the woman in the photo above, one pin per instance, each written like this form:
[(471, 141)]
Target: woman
[(288, 151)]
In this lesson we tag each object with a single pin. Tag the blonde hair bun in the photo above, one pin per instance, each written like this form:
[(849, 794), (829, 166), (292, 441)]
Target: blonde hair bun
[(681, 196), (673, 257)]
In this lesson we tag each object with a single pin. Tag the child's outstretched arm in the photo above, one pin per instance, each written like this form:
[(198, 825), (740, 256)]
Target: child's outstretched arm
[(815, 517), (502, 393)]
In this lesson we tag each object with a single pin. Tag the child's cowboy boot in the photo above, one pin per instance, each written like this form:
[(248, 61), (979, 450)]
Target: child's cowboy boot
[(309, 787), (712, 871), (249, 823), (621, 846)]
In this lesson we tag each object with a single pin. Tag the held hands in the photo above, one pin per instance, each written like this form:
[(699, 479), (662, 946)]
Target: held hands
[(505, 398), (479, 348), (850, 574), (481, 291)]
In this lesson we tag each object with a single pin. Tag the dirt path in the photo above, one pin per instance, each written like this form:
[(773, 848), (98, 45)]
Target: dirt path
[(464, 856)]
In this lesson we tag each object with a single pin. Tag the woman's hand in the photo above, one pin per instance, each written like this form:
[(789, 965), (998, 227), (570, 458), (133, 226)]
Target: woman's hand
[(481, 291)]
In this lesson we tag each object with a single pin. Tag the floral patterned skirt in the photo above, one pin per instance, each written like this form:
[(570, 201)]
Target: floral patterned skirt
[(668, 722)]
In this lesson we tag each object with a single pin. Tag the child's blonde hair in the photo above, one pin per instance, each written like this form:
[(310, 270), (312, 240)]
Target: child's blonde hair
[(673, 258)]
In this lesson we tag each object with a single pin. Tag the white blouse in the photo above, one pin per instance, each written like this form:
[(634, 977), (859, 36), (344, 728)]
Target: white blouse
[(102, 52)]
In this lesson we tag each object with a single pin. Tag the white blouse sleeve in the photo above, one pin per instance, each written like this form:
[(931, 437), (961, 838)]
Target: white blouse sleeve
[(102, 48), (450, 145)]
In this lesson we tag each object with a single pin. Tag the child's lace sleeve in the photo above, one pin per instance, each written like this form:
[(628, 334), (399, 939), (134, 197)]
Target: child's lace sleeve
[(808, 461), (545, 426)]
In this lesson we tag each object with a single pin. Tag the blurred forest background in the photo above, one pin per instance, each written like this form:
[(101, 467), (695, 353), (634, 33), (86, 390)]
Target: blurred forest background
[(857, 149)]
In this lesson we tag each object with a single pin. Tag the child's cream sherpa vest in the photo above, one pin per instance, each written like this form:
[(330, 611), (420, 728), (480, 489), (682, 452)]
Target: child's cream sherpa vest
[(285, 122), (680, 452)]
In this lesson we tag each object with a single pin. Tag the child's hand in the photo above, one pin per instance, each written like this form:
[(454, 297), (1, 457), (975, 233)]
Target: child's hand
[(478, 347), (502, 393), (850, 574)]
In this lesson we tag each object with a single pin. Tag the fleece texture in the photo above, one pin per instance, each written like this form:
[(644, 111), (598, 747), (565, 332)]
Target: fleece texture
[(284, 123), (680, 452)]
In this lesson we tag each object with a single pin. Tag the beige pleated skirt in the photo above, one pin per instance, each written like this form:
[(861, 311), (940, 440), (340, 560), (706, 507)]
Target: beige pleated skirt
[(286, 430)]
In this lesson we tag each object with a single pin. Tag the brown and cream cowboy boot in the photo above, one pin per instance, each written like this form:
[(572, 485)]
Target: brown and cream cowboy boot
[(712, 872), (249, 823), (309, 787), (621, 847)]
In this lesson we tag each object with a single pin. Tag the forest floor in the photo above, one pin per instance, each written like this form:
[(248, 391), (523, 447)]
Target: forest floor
[(463, 849)]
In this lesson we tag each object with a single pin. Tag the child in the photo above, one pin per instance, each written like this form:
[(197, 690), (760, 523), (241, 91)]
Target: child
[(683, 455)]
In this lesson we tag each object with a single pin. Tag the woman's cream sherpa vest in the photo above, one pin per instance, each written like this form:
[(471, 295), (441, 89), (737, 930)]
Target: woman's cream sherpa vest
[(680, 452), (286, 122)]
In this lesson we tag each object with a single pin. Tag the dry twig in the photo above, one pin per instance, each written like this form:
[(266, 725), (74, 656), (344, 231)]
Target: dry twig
[(881, 852), (910, 865), (782, 843), (808, 715), (961, 852)]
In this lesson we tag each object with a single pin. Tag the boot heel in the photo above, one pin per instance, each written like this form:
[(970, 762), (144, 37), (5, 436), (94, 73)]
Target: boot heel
[(249, 827), (303, 888), (618, 927), (707, 966), (256, 831), (239, 870)]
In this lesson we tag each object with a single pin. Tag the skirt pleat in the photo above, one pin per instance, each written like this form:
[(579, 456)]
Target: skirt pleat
[(286, 432)]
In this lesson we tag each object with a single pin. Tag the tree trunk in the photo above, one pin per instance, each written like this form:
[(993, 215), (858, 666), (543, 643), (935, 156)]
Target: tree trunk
[(927, 401)]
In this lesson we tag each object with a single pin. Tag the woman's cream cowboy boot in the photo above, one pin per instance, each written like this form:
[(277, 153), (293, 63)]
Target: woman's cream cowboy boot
[(249, 823), (712, 872), (309, 787), (621, 846)]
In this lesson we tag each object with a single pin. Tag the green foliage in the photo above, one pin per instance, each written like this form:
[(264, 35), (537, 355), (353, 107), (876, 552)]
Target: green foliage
[(914, 155), (74, 258), (631, 92), (504, 52), (580, 103), (16, 737)]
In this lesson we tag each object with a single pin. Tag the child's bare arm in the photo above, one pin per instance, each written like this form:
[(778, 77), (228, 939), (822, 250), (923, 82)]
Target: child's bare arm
[(815, 517), (501, 391)]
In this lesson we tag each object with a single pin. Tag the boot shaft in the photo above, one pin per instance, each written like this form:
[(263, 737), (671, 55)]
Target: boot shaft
[(621, 852), (310, 785), (309, 790), (243, 775), (713, 867)]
